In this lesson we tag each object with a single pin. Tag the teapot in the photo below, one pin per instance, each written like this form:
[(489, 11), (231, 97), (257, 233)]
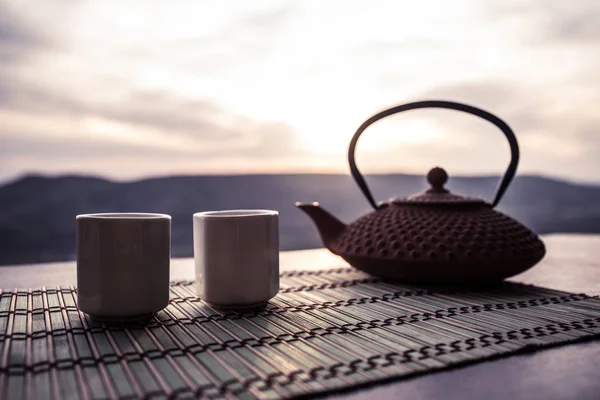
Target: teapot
[(434, 236)]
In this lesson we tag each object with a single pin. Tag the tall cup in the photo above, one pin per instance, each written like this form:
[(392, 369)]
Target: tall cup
[(237, 257), (123, 265)]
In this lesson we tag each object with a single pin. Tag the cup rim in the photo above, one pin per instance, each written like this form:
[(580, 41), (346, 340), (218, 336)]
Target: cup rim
[(130, 216), (245, 213)]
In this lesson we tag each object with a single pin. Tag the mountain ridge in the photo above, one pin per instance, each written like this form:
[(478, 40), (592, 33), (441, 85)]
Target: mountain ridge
[(41, 176), (38, 219)]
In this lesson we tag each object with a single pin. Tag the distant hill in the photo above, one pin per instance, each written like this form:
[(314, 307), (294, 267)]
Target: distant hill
[(37, 222)]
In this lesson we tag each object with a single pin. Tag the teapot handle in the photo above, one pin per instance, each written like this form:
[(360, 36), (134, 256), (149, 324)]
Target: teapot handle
[(510, 136)]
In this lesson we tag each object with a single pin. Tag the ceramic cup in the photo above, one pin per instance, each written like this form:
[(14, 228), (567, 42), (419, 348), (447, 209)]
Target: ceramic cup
[(123, 265), (237, 257)]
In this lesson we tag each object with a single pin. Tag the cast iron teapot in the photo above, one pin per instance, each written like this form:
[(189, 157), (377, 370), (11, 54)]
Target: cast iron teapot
[(434, 236)]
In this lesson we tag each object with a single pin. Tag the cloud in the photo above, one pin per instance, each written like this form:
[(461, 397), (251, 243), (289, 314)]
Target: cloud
[(531, 109), (267, 82), (12, 29), (157, 122), (515, 104), (582, 27), (16, 38), (151, 122), (551, 22), (35, 97), (551, 132), (150, 119)]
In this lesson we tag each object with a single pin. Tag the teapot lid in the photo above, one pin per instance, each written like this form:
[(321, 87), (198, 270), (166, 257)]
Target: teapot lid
[(437, 194)]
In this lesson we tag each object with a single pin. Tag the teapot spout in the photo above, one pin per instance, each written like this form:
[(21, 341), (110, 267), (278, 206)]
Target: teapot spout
[(329, 227)]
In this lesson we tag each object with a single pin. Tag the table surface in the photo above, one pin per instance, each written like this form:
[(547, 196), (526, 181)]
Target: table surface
[(572, 264)]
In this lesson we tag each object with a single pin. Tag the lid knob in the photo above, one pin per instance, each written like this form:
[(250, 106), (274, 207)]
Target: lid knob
[(437, 194), (437, 178)]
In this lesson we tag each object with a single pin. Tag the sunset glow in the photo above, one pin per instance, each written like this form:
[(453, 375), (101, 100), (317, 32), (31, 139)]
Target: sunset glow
[(136, 88)]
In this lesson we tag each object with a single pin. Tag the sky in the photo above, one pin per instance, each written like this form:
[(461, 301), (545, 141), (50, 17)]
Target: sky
[(132, 89)]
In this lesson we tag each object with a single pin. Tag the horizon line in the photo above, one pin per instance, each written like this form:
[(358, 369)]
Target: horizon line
[(42, 175)]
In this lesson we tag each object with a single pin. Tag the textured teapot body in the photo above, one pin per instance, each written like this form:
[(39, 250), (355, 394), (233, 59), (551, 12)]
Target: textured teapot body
[(417, 243)]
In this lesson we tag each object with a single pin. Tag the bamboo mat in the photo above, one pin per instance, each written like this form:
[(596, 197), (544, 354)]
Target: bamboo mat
[(326, 331)]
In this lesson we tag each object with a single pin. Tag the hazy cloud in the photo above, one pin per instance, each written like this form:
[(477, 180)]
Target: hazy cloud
[(16, 38), (206, 126), (582, 26), (268, 82), (20, 94), (555, 22), (513, 104), (200, 122)]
